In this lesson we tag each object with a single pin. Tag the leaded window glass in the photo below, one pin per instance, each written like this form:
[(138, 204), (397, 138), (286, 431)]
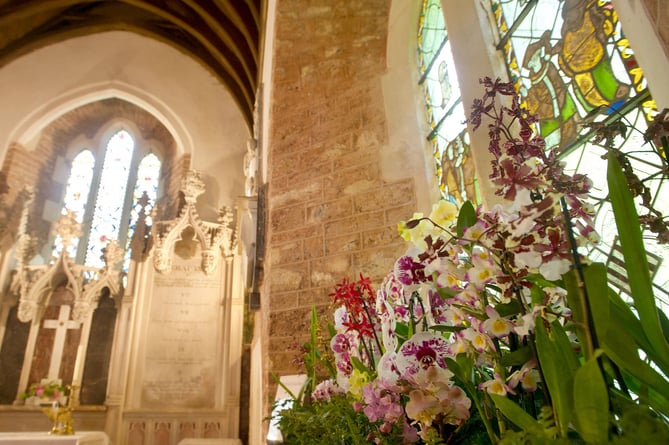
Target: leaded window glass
[(573, 65), (568, 59), (148, 175), (445, 111), (77, 190), (110, 211), (110, 200)]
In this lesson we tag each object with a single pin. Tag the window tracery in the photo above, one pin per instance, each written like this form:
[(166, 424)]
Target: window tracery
[(575, 69), (446, 116), (106, 198)]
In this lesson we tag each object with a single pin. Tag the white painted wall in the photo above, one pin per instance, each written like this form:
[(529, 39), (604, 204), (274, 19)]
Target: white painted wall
[(408, 153)]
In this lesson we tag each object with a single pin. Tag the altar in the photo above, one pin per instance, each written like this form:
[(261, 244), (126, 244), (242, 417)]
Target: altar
[(33, 438)]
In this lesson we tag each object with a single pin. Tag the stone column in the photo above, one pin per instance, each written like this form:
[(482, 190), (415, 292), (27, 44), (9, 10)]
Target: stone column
[(646, 24)]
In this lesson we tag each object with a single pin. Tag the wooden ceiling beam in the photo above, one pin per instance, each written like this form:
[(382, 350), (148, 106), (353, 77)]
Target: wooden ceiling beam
[(221, 19), (223, 35), (56, 31), (24, 9), (207, 38)]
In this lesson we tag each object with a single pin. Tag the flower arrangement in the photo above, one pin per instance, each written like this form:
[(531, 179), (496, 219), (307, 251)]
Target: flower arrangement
[(494, 327), (45, 391)]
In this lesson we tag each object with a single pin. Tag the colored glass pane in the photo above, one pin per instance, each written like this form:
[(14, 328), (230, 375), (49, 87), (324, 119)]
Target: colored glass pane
[(148, 175), (77, 191), (568, 59), (445, 111), (79, 184), (572, 64), (110, 201)]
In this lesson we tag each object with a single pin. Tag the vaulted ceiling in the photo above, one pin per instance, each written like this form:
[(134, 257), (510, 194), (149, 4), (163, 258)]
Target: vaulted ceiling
[(224, 35)]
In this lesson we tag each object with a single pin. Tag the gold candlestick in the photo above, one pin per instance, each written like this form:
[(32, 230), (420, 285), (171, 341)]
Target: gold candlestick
[(62, 415)]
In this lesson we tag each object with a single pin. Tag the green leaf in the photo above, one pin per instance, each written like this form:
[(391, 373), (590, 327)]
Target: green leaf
[(558, 365), (564, 347), (461, 367), (622, 315), (597, 288), (314, 345), (576, 301), (516, 358), (508, 309), (445, 292), (621, 348), (636, 263), (445, 328), (591, 403), (281, 384), (466, 217), (517, 415), (664, 322), (647, 396), (402, 330), (357, 364)]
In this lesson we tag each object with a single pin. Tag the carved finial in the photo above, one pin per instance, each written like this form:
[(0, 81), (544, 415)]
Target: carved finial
[(144, 201), (141, 241), (112, 254), (25, 243), (192, 186), (251, 167), (225, 216), (68, 228)]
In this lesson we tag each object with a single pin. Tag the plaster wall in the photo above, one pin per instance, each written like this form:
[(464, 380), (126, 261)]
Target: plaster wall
[(183, 95)]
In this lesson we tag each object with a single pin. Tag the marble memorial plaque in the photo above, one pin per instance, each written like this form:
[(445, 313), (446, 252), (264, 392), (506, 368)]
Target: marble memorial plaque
[(182, 341)]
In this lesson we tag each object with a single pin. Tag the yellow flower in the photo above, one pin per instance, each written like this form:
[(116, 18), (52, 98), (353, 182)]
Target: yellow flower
[(444, 213), (417, 233), (357, 381)]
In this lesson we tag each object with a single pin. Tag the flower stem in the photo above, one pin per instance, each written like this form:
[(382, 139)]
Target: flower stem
[(484, 417), (369, 317)]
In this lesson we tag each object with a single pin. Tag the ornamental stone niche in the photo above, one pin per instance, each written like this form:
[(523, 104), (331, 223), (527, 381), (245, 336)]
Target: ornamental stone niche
[(213, 238), (185, 368)]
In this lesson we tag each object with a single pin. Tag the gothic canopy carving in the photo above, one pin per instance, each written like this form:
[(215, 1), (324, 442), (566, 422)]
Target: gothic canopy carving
[(34, 284), (215, 239)]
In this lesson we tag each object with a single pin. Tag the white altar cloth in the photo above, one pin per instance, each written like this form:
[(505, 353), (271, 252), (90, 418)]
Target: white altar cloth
[(80, 438)]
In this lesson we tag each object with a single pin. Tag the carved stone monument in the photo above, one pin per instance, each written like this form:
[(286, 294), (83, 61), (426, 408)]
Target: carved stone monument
[(181, 355), (185, 372)]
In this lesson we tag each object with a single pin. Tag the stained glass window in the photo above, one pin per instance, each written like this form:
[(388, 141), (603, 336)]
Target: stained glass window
[(573, 65), (568, 59), (77, 190), (445, 112), (114, 213), (148, 175), (110, 200)]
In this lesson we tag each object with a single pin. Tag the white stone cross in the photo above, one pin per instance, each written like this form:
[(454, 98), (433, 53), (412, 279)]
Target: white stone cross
[(61, 325)]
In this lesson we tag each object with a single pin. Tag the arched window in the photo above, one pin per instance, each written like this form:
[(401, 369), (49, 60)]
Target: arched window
[(445, 111), (77, 190), (105, 193), (572, 65)]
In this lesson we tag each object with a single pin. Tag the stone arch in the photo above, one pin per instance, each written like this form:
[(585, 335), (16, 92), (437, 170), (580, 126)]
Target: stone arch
[(26, 132)]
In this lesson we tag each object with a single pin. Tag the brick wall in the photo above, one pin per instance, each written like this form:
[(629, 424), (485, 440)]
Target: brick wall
[(331, 213), (35, 168), (21, 167)]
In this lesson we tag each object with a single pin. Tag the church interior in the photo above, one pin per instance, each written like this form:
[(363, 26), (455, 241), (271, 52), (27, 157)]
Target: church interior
[(181, 181)]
